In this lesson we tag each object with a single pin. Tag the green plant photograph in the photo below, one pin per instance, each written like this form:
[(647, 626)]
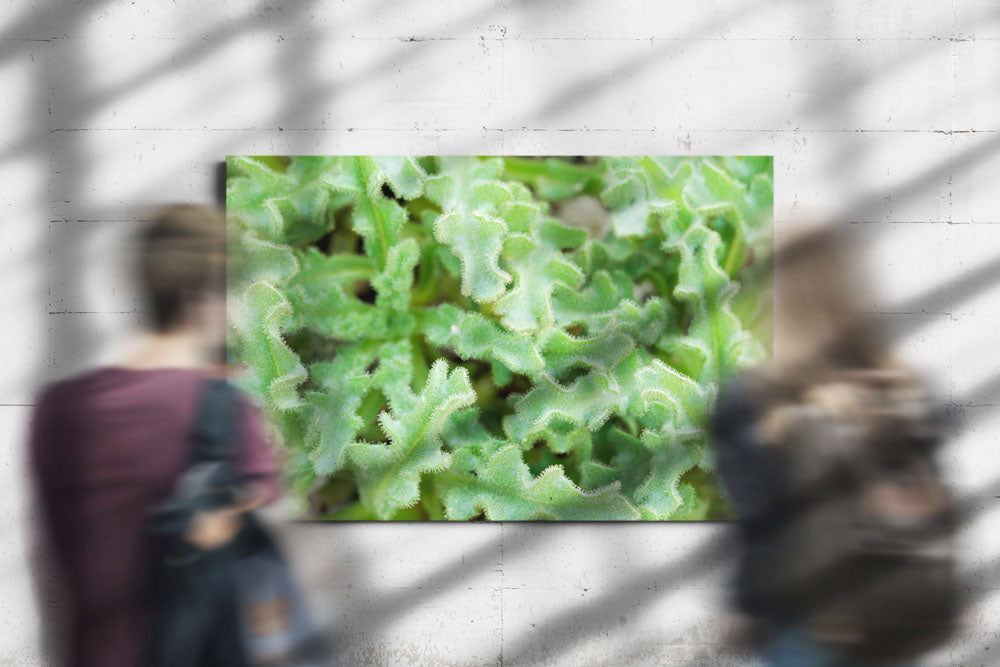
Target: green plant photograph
[(497, 338)]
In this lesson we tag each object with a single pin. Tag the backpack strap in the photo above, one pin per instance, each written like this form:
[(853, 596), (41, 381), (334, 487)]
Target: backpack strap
[(213, 443), (213, 437), (209, 480)]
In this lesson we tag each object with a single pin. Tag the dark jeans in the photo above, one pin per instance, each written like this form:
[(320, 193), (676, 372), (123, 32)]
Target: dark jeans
[(793, 647), (199, 622)]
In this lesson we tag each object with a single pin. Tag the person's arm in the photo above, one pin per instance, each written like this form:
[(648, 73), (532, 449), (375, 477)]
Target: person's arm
[(256, 464), (43, 459)]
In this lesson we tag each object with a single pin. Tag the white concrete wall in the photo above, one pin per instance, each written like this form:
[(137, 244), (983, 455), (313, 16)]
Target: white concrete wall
[(888, 112)]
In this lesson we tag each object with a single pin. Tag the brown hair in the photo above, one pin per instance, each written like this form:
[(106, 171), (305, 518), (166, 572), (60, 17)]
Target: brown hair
[(181, 257), (819, 329)]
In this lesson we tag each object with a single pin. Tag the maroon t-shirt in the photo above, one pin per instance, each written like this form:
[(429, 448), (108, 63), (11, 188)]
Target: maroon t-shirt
[(106, 448)]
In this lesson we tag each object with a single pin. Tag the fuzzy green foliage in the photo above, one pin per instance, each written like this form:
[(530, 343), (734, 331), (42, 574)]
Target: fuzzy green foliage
[(443, 338)]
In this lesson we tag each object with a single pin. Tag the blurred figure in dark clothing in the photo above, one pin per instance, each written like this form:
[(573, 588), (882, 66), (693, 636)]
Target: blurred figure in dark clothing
[(108, 446), (827, 454)]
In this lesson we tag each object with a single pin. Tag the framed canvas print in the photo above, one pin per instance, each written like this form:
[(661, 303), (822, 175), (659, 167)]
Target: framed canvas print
[(497, 338)]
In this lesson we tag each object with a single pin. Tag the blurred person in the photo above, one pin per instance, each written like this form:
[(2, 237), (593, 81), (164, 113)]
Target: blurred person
[(109, 445), (827, 453)]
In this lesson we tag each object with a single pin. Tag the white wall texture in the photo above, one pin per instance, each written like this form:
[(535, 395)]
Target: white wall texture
[(886, 114)]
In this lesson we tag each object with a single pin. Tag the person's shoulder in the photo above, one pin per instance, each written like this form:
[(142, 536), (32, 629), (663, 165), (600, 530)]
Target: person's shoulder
[(249, 408), (749, 388), (742, 399), (70, 385), (115, 382), (63, 399)]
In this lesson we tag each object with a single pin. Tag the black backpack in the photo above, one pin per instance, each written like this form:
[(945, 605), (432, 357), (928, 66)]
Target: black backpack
[(859, 547), (236, 605)]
